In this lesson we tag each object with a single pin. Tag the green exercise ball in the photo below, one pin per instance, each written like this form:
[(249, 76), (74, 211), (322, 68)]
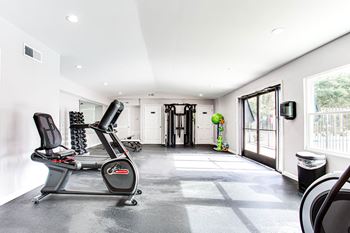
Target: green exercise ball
[(216, 118)]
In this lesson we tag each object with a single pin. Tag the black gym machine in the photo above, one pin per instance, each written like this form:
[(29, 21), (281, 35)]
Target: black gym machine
[(119, 172), (174, 124)]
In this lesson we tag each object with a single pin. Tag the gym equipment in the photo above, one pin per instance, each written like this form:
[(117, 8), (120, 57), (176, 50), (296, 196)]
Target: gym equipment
[(174, 124), (94, 161), (120, 174), (134, 144), (218, 120), (326, 203), (78, 136)]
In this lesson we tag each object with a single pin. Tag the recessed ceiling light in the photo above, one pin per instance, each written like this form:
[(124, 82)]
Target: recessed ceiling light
[(72, 18), (105, 84), (277, 31), (120, 93), (79, 67), (200, 94)]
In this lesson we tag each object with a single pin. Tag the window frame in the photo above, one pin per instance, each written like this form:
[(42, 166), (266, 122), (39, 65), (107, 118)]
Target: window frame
[(308, 113)]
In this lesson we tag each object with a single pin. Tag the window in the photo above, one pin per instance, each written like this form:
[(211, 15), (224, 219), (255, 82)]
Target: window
[(328, 112)]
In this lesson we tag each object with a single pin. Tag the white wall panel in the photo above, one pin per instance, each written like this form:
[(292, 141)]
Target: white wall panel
[(26, 87), (291, 77)]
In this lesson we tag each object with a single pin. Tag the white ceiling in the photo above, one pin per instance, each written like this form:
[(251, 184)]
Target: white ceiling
[(182, 47)]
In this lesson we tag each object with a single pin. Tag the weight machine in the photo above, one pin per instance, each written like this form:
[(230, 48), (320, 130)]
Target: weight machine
[(180, 123)]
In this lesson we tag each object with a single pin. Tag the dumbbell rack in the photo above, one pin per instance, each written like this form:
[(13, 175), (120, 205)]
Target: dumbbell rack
[(78, 136)]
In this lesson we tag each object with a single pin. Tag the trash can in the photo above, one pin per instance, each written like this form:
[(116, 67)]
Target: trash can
[(311, 166)]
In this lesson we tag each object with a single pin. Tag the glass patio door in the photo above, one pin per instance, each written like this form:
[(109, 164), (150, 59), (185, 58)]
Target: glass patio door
[(260, 127)]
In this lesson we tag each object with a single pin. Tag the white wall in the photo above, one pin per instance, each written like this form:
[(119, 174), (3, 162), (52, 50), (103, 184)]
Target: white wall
[(161, 101), (92, 112), (291, 77), (129, 122), (135, 124), (82, 92), (70, 102), (27, 87)]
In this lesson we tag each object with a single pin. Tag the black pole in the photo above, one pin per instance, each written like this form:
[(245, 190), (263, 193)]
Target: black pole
[(329, 200)]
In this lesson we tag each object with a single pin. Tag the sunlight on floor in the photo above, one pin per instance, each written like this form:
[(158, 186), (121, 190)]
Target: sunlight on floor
[(219, 162), (208, 219), (274, 220), (220, 170), (195, 164), (245, 192), (211, 157), (226, 219), (200, 189)]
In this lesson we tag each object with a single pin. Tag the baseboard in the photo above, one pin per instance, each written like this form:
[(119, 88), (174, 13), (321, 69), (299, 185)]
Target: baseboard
[(290, 175), (13, 196), (90, 146), (231, 151)]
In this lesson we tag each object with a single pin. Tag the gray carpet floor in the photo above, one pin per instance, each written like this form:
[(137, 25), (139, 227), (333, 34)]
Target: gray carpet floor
[(184, 190)]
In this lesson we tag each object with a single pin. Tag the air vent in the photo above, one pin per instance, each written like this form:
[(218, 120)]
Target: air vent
[(32, 53)]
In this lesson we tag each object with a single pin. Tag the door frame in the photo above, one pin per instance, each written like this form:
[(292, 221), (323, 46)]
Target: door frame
[(131, 106), (273, 163), (197, 126), (142, 123)]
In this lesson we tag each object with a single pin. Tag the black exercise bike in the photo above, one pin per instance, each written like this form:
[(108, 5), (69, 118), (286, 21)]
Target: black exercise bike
[(119, 173)]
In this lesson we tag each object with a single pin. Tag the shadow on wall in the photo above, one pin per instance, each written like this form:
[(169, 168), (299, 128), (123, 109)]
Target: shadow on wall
[(18, 138), (64, 126), (17, 132)]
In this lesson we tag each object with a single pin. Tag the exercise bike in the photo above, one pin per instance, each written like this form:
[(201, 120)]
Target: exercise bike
[(325, 206), (96, 161), (119, 174)]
